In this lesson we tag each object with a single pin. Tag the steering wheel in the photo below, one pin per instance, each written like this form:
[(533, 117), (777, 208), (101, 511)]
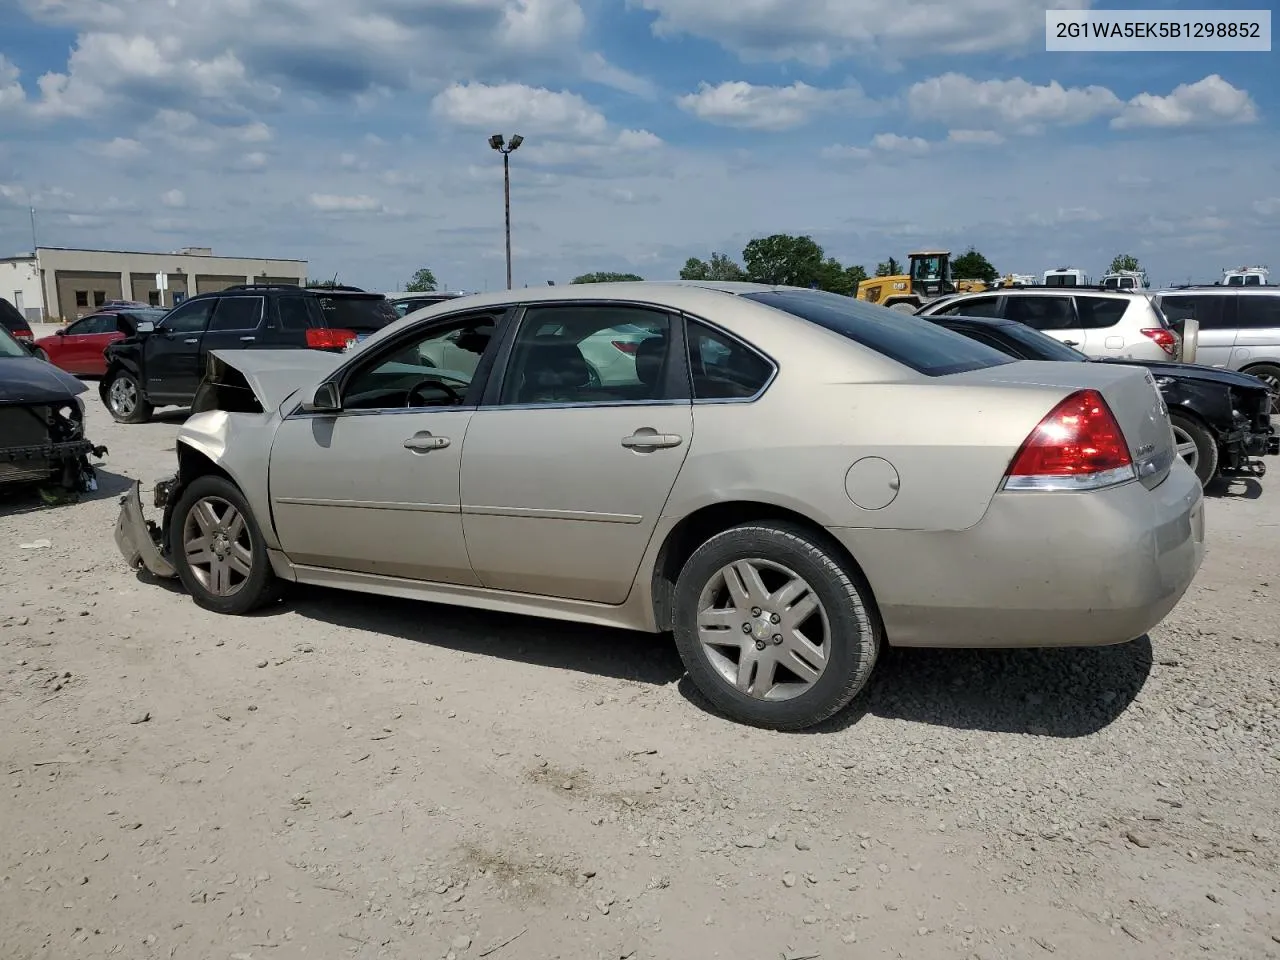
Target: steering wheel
[(454, 395)]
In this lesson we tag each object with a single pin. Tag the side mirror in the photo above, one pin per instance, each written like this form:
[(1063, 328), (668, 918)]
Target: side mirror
[(325, 400), (59, 333), (145, 326)]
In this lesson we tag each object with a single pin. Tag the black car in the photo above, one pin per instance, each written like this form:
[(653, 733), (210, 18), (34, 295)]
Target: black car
[(12, 320), (1221, 419), (42, 436), (162, 365)]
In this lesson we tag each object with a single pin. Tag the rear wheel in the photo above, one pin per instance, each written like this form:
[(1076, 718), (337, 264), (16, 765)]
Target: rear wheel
[(125, 401), (217, 548), (773, 625), (1269, 374), (904, 306), (1196, 445)]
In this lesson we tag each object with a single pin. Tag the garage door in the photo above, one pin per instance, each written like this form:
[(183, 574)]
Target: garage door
[(212, 283), (278, 280), (82, 292), (144, 288)]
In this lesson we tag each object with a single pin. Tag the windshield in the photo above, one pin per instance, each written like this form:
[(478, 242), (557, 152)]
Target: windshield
[(363, 314), (912, 341), (10, 347)]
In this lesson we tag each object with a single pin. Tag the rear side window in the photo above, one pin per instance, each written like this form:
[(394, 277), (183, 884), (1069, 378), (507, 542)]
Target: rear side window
[(723, 368), (362, 314), (1205, 309), (977, 307), (237, 313), (912, 341), (1257, 312), (1042, 313), (295, 313), (1099, 312)]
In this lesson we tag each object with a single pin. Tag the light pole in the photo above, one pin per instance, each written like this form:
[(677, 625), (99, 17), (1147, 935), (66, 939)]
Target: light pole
[(506, 149)]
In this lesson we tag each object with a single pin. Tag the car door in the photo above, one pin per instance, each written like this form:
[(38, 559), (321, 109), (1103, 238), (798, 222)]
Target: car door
[(566, 467), (1103, 334), (1048, 313), (372, 488), (234, 325), (1215, 313), (1257, 329), (72, 350), (171, 353)]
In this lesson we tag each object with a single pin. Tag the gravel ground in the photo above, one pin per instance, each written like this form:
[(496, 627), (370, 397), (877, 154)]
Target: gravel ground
[(347, 776)]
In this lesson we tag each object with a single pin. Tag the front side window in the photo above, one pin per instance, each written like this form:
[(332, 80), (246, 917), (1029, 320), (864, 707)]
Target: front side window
[(977, 307), (81, 327), (912, 341), (434, 370), (1042, 313), (597, 353), (1097, 313), (723, 368), (190, 317), (1205, 309), (1256, 312), (237, 313)]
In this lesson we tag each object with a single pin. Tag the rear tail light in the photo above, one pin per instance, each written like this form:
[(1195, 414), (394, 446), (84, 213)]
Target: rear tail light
[(329, 338), (1165, 339), (24, 335), (626, 346), (1078, 446)]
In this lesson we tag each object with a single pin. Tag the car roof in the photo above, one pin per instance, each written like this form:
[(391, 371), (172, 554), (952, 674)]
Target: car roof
[(1049, 292), (1221, 288), (678, 294)]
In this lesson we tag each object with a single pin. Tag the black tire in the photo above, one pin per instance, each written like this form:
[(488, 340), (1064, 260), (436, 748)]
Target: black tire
[(259, 588), (116, 389), (904, 306), (853, 623), (1206, 455), (1269, 373)]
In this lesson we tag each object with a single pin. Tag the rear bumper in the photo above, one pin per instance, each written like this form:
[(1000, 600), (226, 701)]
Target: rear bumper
[(1040, 569)]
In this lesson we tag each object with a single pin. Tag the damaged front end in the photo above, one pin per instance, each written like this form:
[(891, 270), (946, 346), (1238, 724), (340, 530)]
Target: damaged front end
[(44, 443), (141, 541)]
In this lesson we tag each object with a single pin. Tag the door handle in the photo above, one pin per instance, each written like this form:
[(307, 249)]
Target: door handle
[(191, 340), (425, 443), (248, 339), (1071, 343), (651, 441)]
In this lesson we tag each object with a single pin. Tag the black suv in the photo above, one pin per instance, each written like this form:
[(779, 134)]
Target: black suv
[(163, 366)]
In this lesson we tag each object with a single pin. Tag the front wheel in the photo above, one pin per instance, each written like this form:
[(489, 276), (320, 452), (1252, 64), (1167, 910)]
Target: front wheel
[(125, 400), (775, 627), (217, 548), (1196, 445), (1269, 374), (904, 306)]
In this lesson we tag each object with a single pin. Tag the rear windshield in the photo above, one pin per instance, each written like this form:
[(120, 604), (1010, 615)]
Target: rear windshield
[(912, 341), (357, 313)]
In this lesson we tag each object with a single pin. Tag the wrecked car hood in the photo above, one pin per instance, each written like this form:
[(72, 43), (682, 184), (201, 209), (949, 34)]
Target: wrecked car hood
[(1194, 371), (273, 375), (28, 380)]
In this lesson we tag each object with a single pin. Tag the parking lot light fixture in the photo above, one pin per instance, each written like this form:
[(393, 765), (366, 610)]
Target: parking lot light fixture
[(506, 149)]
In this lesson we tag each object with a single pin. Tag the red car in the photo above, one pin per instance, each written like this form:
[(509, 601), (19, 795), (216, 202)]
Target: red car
[(78, 348)]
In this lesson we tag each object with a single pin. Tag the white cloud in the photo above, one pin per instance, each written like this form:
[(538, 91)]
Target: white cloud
[(11, 93), (336, 203), (256, 132), (987, 137), (1269, 207), (822, 31), (1211, 101), (597, 69), (514, 108), (254, 160), (121, 148), (892, 143), (737, 103), (1016, 103), (173, 198)]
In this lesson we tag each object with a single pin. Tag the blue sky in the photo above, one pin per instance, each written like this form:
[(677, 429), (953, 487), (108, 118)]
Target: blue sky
[(352, 133)]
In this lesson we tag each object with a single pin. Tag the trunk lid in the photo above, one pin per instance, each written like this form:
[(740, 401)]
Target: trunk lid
[(1130, 392)]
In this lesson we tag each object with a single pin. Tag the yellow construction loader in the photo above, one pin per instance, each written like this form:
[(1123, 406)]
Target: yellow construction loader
[(928, 278)]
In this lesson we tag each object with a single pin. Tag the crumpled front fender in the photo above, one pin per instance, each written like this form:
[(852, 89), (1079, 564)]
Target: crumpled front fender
[(139, 540)]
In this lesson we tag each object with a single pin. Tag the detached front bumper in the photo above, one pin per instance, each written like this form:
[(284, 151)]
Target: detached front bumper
[(139, 540)]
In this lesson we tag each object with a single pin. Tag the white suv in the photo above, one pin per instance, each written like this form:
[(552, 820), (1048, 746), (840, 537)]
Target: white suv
[(1105, 324)]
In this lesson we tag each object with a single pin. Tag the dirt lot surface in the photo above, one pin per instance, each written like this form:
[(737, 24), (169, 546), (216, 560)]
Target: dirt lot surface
[(353, 777)]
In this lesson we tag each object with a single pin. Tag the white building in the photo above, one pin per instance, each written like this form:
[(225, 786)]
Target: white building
[(61, 284)]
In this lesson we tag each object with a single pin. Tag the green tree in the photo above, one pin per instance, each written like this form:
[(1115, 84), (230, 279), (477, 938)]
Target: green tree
[(971, 265), (605, 277), (784, 259), (423, 281), (1123, 261), (324, 284), (889, 268), (720, 267), (834, 277), (855, 274)]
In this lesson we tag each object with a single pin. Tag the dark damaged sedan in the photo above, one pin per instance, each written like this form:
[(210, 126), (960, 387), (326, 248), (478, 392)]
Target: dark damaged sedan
[(42, 436)]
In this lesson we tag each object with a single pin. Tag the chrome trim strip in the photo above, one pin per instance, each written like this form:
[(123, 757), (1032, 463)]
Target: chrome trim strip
[(541, 513), (299, 414), (371, 504)]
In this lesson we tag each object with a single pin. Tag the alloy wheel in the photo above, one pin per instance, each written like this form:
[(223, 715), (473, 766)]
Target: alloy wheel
[(123, 396), (1186, 446), (1273, 384), (763, 629), (218, 547)]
